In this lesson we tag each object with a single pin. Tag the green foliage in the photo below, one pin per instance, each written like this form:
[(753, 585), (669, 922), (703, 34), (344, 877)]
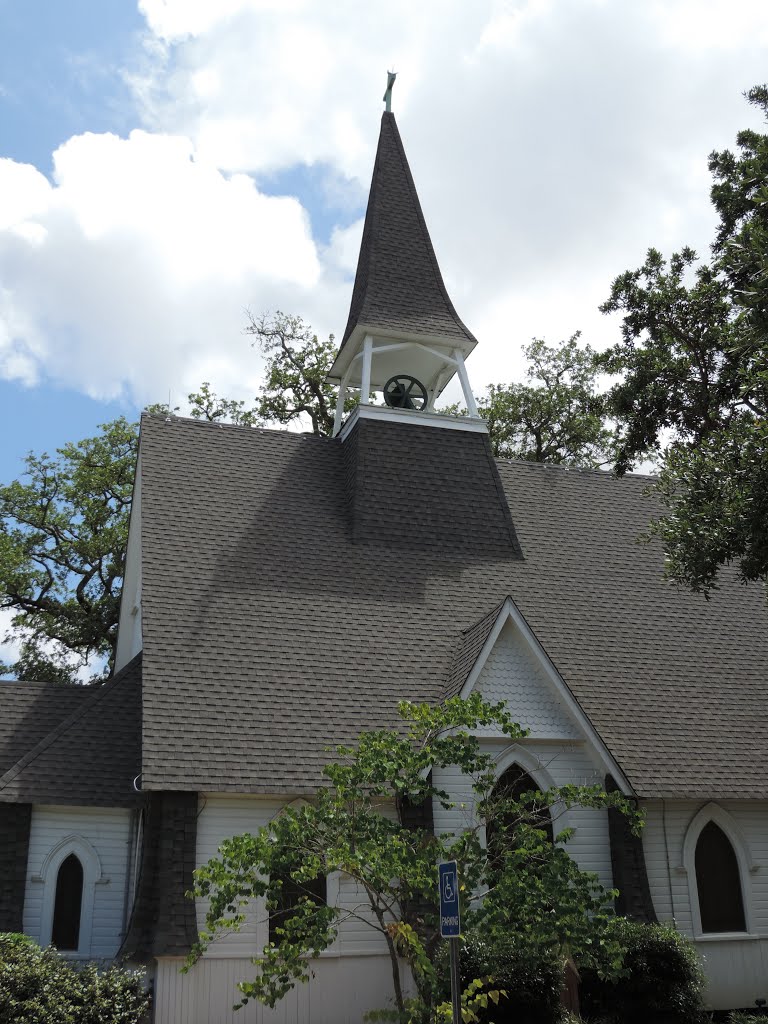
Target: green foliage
[(295, 378), (694, 362), (37, 986), (538, 888), (478, 998), (206, 405), (738, 1017), (63, 534), (557, 417), (740, 196), (531, 979), (661, 979)]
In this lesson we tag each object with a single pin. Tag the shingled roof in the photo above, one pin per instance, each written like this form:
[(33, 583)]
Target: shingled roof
[(92, 755), (30, 710), (271, 631), (398, 286)]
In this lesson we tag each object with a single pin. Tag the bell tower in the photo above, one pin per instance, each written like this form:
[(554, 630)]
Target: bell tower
[(403, 337)]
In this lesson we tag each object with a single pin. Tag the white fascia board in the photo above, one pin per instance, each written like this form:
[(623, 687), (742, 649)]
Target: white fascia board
[(354, 344), (510, 611), (422, 419), (129, 621)]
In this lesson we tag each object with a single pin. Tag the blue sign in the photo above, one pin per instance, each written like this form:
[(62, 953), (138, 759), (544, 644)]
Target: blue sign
[(450, 923)]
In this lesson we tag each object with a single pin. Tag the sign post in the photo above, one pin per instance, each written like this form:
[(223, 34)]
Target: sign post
[(450, 927)]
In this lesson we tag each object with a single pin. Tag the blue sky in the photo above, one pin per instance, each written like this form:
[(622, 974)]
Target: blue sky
[(62, 75), (190, 160), (57, 79)]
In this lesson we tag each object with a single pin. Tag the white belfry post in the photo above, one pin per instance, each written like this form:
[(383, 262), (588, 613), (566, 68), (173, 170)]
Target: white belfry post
[(338, 418), (469, 398), (365, 380)]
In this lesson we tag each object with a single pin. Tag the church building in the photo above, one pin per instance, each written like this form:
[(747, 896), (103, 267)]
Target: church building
[(283, 591)]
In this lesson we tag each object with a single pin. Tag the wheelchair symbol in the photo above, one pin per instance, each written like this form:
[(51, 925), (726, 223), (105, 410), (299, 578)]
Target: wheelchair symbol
[(449, 888)]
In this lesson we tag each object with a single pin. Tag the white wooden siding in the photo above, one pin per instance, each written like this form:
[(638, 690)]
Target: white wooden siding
[(736, 967), (107, 830), (339, 991), (560, 763), (513, 673), (557, 751), (223, 816)]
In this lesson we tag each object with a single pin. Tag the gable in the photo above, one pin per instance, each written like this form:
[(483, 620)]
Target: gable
[(512, 673)]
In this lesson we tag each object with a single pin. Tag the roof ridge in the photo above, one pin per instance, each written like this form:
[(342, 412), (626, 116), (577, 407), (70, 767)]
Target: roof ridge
[(604, 474), (219, 425), (59, 730)]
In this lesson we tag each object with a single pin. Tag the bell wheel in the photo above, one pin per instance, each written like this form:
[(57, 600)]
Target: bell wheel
[(405, 392)]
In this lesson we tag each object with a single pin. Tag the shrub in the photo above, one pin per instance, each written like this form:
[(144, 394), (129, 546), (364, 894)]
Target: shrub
[(663, 980), (532, 982), (37, 986)]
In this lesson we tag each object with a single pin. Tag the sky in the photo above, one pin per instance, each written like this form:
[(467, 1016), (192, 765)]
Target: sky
[(166, 165)]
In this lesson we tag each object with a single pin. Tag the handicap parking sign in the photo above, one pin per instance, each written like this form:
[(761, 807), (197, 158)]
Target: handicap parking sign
[(450, 923)]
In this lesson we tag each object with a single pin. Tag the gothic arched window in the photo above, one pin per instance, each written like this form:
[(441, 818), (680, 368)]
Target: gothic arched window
[(68, 904), (513, 785), (291, 892), (718, 882)]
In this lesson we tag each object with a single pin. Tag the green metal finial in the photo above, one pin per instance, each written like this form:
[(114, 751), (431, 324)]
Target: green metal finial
[(387, 97)]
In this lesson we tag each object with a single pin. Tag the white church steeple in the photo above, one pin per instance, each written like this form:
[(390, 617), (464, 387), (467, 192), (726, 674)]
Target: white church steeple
[(403, 337)]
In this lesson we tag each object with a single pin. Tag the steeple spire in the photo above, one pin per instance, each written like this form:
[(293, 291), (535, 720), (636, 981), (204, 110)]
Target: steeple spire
[(399, 300)]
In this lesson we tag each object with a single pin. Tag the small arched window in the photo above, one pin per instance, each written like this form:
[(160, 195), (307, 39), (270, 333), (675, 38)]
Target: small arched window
[(513, 785), (291, 892), (718, 882), (68, 904)]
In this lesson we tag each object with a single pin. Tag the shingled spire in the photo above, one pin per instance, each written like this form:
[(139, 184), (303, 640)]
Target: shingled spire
[(398, 285), (399, 300)]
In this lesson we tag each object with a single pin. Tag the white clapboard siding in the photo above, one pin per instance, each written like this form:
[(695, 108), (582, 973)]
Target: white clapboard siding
[(548, 763), (223, 816), (108, 832), (340, 991), (736, 967)]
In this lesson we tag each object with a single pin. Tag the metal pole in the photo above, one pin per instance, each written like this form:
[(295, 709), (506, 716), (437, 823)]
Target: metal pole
[(455, 981)]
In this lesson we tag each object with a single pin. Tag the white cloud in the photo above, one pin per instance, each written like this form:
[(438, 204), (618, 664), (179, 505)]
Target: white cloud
[(552, 142), (9, 652), (135, 265)]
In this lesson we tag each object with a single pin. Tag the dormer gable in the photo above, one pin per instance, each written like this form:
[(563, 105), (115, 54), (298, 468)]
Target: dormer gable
[(501, 658)]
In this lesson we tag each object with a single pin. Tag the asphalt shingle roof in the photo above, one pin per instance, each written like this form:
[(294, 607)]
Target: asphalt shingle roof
[(89, 757), (274, 627), (30, 710), (398, 285)]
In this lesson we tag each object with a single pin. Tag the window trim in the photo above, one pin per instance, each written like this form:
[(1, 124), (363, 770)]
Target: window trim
[(713, 812), (92, 876)]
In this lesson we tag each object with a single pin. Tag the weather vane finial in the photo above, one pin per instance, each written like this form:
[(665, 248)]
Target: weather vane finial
[(387, 97)]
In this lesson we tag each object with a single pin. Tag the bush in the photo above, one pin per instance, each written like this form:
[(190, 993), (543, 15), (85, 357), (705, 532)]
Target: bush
[(663, 980), (532, 983), (37, 986)]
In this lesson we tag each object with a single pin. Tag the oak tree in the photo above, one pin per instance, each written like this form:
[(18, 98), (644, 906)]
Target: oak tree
[(693, 363)]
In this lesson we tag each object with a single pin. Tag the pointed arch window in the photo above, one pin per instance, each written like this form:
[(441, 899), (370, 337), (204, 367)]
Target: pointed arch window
[(718, 882), (291, 893), (68, 904), (513, 784)]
